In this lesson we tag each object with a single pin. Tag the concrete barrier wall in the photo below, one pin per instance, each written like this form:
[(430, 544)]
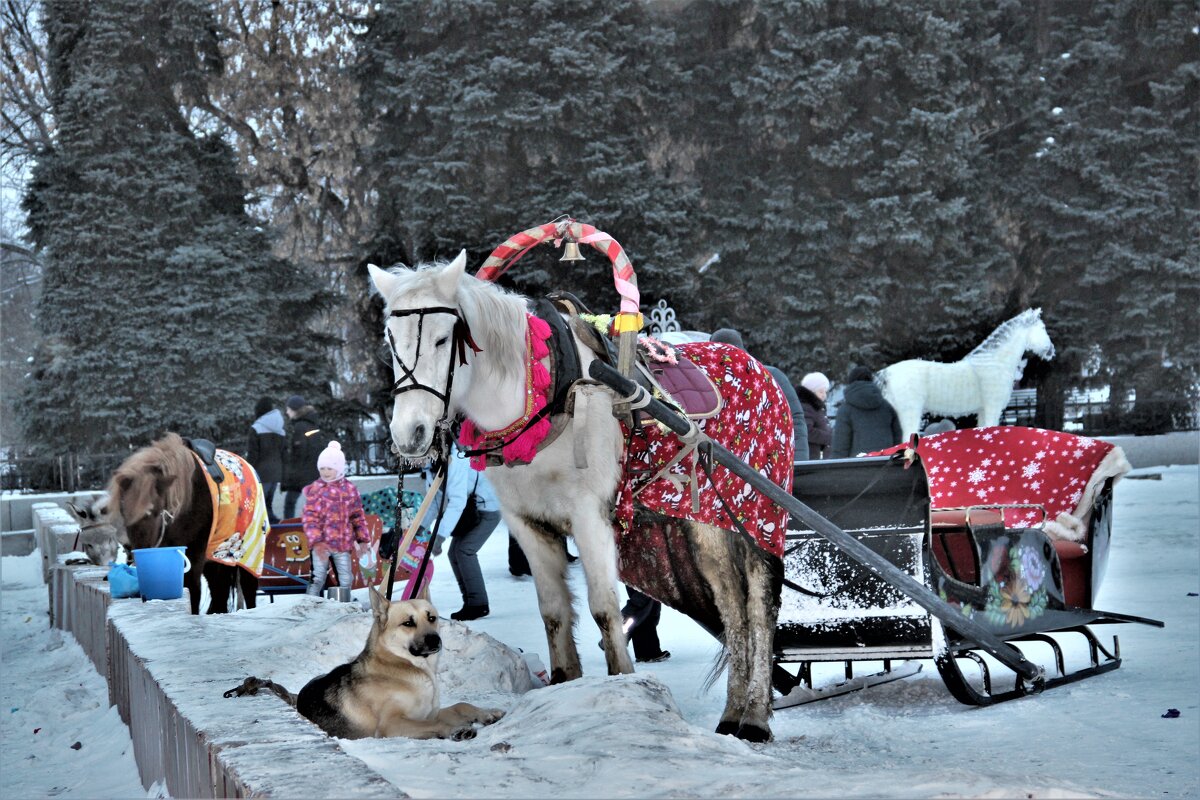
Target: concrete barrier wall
[(16, 510), (181, 739)]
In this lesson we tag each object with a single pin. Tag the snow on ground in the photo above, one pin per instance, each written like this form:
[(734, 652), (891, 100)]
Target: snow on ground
[(649, 735)]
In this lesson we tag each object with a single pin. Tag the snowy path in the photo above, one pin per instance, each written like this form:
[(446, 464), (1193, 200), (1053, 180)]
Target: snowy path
[(1104, 737)]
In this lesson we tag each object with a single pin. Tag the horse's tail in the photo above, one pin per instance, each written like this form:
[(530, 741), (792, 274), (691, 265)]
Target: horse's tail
[(251, 686), (720, 664)]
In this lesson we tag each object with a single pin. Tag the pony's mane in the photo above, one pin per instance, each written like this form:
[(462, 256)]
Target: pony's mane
[(1005, 330), (493, 314), (165, 456)]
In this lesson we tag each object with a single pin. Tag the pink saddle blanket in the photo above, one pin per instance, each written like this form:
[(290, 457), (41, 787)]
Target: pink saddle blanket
[(688, 386)]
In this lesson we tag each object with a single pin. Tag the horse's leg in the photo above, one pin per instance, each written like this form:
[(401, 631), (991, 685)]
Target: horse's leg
[(191, 578), (762, 615), (598, 554), (720, 566), (548, 563), (221, 580), (249, 584)]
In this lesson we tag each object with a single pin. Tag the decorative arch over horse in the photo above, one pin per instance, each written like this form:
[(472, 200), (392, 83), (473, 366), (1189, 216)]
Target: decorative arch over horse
[(981, 383), (465, 346)]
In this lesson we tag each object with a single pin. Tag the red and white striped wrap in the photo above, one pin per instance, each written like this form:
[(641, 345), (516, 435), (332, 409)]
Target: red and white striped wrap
[(624, 278)]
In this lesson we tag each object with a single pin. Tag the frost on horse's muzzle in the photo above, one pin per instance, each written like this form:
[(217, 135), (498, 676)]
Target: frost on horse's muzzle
[(413, 440)]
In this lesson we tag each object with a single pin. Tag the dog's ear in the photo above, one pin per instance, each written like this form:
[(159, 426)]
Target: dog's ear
[(379, 605)]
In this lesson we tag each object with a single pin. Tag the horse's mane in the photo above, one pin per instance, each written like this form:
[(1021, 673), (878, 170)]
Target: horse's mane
[(1005, 331), (165, 456), (492, 313)]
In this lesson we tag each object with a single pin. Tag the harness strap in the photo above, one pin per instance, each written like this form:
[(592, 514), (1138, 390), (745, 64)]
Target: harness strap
[(565, 373)]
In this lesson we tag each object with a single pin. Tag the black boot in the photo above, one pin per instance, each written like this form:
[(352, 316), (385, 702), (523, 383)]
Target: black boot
[(470, 612)]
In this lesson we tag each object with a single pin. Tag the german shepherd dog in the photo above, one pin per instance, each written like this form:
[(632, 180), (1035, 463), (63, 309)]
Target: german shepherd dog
[(391, 689)]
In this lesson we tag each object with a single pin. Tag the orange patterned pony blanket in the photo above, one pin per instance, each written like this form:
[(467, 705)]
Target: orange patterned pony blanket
[(239, 531)]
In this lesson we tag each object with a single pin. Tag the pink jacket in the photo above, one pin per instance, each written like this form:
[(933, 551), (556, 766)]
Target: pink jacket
[(334, 516)]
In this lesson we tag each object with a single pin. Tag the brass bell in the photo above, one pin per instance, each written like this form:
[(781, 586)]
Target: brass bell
[(571, 252)]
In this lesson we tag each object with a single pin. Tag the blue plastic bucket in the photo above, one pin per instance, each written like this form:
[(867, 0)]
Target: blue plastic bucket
[(160, 572)]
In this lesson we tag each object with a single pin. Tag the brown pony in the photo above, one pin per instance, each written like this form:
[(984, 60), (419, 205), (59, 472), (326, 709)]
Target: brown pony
[(159, 498)]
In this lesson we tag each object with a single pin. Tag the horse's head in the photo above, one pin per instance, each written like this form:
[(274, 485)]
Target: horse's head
[(149, 490), (426, 336), (98, 533), (1037, 339)]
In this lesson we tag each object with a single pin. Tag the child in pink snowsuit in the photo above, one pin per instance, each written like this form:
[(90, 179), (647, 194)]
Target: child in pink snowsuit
[(333, 519)]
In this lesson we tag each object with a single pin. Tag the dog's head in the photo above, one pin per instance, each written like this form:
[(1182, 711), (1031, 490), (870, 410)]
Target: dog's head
[(408, 628)]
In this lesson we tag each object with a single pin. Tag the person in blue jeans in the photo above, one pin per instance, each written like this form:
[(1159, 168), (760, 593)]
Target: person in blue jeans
[(472, 513)]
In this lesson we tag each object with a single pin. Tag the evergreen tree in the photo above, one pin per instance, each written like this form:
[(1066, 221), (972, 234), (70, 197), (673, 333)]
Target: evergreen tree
[(503, 115), (162, 307), (1104, 180), (845, 193)]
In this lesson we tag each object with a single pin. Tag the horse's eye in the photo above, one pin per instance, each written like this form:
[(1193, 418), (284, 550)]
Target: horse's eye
[(441, 342)]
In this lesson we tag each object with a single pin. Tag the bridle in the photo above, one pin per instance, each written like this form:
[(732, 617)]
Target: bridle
[(165, 518), (461, 340)]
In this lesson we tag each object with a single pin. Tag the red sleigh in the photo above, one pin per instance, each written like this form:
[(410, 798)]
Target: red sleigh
[(1009, 526)]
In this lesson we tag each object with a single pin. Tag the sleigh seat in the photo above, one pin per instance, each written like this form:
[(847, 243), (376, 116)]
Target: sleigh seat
[(1082, 563)]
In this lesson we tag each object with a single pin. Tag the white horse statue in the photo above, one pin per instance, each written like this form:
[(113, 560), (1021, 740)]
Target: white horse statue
[(980, 384), (435, 320)]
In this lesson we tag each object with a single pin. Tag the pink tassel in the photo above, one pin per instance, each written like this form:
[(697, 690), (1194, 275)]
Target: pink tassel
[(541, 377), (539, 326)]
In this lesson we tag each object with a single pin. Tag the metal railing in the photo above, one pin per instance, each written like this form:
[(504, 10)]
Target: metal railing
[(74, 472)]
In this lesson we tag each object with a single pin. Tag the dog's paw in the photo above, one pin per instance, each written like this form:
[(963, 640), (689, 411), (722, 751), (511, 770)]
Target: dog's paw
[(489, 715), (462, 734)]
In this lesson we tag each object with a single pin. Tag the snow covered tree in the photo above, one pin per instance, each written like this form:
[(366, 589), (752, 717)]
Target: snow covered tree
[(1103, 177), (502, 115), (162, 307), (843, 189)]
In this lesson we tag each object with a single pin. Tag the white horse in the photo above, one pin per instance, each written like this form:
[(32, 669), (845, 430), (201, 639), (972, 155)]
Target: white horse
[(432, 314), (980, 384)]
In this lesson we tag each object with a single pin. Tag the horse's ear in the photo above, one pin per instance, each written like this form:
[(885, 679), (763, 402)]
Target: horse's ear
[(384, 281), (447, 281)]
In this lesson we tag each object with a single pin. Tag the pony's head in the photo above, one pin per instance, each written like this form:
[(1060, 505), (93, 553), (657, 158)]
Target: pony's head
[(424, 330), (149, 490), (1037, 339), (98, 535)]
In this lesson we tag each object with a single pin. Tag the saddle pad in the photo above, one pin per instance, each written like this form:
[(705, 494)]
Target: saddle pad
[(753, 422), (239, 530), (688, 387)]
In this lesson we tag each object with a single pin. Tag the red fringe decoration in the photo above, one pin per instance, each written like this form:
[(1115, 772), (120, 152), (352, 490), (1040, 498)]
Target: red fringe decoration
[(537, 381)]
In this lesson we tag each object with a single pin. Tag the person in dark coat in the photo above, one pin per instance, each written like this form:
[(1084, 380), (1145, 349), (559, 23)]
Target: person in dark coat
[(814, 388), (865, 421), (264, 450), (799, 428), (304, 447)]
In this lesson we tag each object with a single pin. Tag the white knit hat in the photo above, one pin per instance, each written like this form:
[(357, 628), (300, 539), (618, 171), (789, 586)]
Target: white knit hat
[(815, 382), (333, 457)]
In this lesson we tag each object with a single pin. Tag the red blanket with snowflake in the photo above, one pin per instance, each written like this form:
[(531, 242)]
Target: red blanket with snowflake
[(754, 423), (1009, 466)]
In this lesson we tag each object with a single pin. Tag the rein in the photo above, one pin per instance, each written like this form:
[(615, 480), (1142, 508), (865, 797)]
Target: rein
[(165, 519)]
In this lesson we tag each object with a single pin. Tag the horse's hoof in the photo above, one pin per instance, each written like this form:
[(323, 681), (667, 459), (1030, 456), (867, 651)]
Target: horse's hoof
[(753, 733), (727, 728)]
